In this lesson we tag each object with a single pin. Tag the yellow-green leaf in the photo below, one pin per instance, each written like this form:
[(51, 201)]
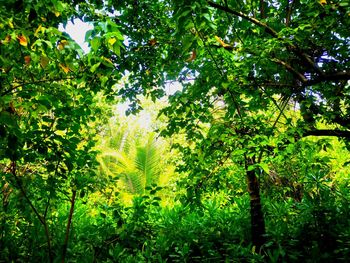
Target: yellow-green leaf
[(44, 61), (111, 41)]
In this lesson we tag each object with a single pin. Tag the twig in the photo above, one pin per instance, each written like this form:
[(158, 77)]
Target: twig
[(32, 83), (293, 48), (41, 219)]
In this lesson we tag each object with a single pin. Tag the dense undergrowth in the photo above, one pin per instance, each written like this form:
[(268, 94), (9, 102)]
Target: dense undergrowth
[(305, 199), (316, 229)]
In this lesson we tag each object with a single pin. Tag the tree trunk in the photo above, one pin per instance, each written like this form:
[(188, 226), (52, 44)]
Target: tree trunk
[(69, 223), (257, 218)]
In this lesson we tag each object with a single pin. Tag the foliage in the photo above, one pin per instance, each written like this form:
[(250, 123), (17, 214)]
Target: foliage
[(258, 79), (136, 165), (133, 156), (47, 100), (251, 59)]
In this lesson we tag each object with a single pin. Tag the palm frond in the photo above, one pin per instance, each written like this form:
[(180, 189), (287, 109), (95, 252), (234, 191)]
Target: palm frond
[(147, 161), (132, 182), (126, 155)]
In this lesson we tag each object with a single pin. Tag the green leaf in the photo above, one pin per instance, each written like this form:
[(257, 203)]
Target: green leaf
[(94, 67), (251, 167), (265, 167), (95, 43)]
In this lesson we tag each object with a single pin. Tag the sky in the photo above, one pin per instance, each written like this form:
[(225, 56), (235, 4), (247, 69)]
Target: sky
[(77, 31)]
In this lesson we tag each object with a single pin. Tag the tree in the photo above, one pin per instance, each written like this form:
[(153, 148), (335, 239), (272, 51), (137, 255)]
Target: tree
[(47, 99), (249, 56)]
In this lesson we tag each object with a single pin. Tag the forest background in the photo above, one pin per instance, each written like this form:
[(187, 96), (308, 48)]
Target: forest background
[(248, 161)]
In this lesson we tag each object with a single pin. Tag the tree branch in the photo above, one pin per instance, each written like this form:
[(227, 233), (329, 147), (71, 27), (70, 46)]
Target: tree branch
[(36, 212), (337, 76), (33, 83), (21, 188), (262, 9), (336, 133), (255, 21), (300, 76), (227, 47), (270, 31), (289, 12)]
